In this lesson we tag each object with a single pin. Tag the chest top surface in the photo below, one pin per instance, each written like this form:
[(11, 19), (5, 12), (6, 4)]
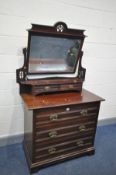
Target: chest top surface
[(54, 100)]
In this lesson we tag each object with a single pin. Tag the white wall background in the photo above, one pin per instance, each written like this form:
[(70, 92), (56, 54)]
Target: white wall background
[(98, 18)]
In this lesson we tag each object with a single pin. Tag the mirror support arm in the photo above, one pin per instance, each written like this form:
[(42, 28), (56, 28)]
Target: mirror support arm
[(22, 72)]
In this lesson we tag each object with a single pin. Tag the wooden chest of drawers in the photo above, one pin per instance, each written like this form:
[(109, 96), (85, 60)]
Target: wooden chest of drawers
[(59, 127)]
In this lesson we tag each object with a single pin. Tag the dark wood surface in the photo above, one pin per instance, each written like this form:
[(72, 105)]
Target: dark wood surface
[(53, 100), (59, 127)]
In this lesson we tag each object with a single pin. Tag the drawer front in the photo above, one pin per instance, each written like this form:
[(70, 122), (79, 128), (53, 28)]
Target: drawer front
[(63, 131), (55, 88), (56, 113), (42, 120), (63, 148)]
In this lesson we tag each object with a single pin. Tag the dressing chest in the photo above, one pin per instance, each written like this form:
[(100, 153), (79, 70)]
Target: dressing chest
[(60, 117)]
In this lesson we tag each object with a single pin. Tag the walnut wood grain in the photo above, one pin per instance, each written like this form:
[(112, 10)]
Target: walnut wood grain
[(64, 147), (53, 100)]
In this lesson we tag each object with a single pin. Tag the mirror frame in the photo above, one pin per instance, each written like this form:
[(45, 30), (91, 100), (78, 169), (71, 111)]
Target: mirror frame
[(61, 30)]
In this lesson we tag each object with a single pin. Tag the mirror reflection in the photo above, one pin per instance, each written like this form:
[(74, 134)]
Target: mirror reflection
[(52, 54)]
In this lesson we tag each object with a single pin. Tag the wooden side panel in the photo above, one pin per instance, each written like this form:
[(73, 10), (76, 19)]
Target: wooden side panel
[(28, 133)]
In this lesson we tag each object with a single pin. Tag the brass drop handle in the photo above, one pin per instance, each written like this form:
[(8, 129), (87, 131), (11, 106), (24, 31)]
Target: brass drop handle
[(53, 134), (53, 117), (82, 128), (84, 112), (51, 150), (80, 143)]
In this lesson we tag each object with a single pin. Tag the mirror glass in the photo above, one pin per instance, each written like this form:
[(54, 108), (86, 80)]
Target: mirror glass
[(53, 54)]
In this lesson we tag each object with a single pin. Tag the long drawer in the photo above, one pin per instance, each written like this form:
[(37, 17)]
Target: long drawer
[(65, 116), (65, 130), (58, 113), (63, 148)]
